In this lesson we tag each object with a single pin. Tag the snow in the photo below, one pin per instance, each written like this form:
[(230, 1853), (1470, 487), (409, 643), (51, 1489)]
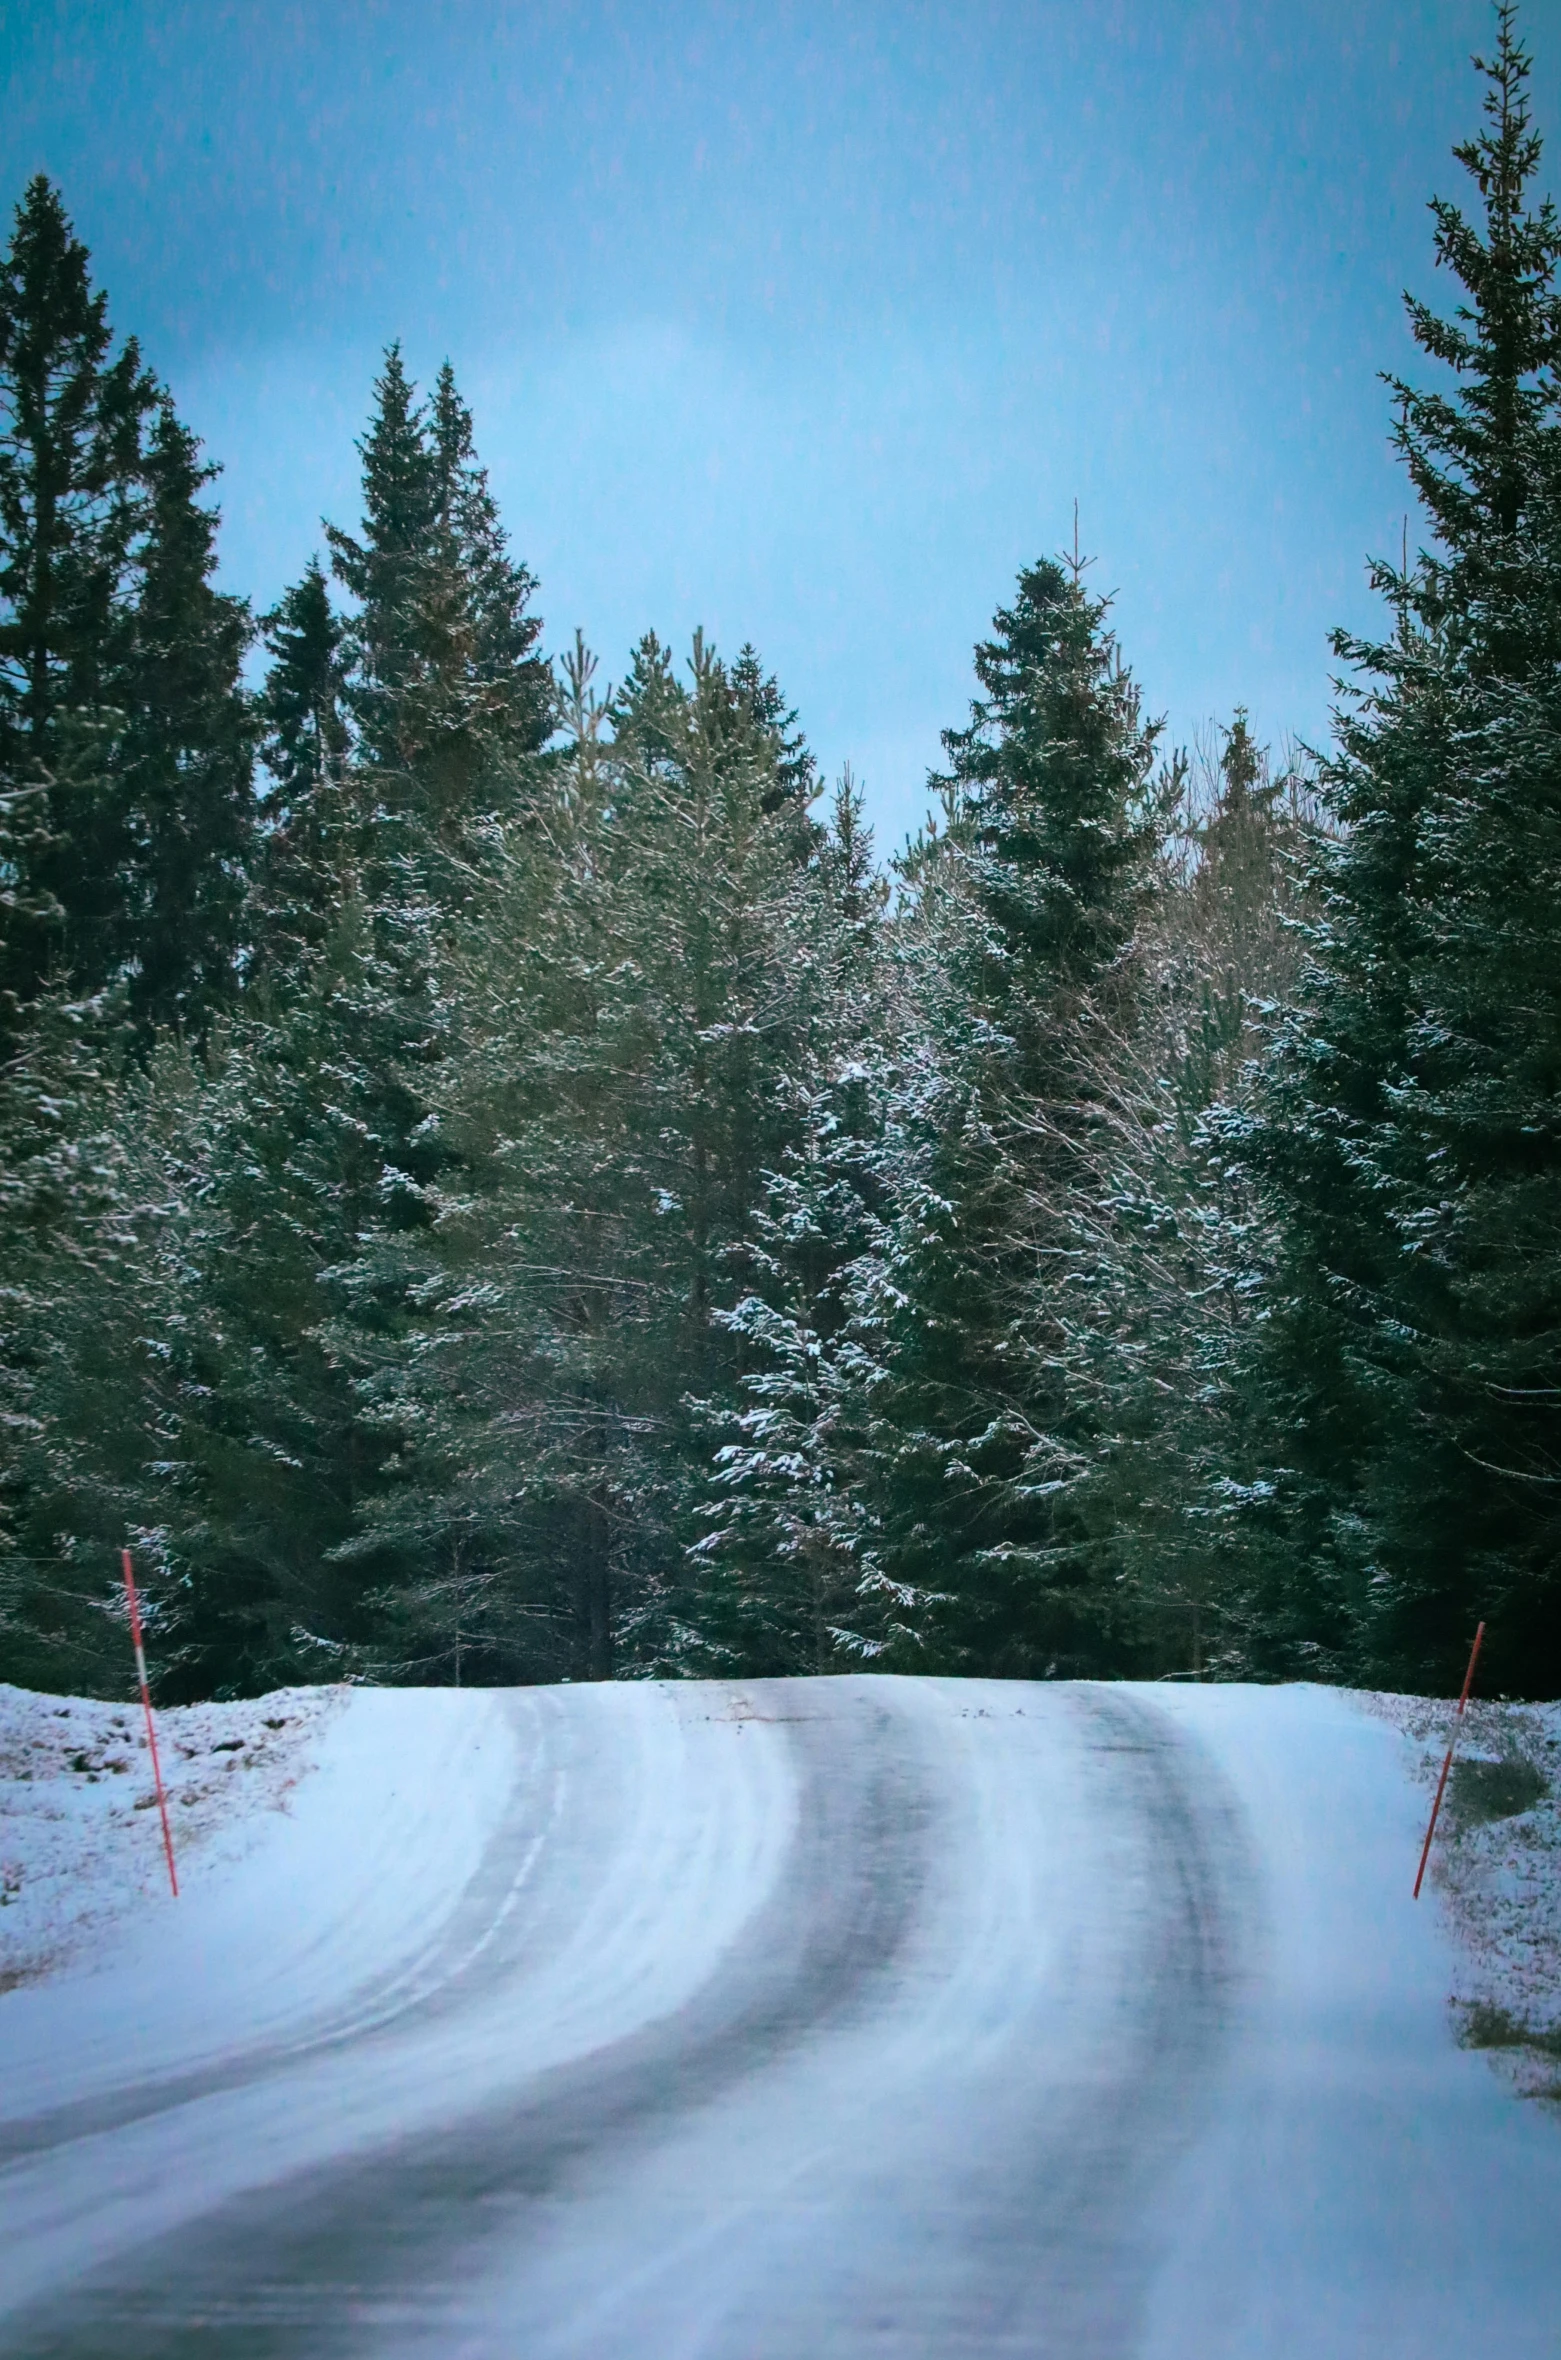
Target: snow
[(902, 2016), (1369, 2187), (79, 1850), (1498, 1880), (260, 1992)]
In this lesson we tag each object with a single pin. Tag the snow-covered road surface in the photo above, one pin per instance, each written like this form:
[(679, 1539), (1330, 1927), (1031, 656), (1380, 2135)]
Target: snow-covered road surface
[(766, 2022)]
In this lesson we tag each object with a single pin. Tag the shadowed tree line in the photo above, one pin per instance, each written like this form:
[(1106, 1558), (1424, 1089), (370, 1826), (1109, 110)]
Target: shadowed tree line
[(499, 1184)]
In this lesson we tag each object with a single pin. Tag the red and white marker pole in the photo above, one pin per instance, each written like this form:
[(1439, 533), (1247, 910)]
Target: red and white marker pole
[(146, 1699), (1441, 1784)]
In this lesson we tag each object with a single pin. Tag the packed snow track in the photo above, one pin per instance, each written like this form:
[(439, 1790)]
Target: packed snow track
[(786, 2021)]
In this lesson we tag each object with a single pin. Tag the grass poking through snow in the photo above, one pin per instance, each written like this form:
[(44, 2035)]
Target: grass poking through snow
[(1496, 1871)]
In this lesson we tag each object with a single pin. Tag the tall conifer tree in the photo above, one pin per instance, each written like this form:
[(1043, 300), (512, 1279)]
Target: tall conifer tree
[(119, 661), (1023, 950), (1407, 1144), (186, 755), (633, 982), (311, 814), (445, 689), (72, 422)]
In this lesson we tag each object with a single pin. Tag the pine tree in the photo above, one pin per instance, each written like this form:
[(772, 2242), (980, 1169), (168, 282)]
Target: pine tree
[(788, 1575), (632, 983)]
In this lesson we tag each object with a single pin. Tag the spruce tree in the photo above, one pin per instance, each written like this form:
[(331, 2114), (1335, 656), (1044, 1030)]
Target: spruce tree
[(186, 753), (72, 423), (445, 690), (757, 698), (1021, 957), (232, 1321), (493, 634), (311, 816), (1404, 1142), (119, 662), (30, 917), (1178, 1235), (380, 567), (68, 1364), (1460, 1499), (300, 1174)]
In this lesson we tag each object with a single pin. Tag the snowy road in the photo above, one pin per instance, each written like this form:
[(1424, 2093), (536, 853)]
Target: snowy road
[(841, 2017)]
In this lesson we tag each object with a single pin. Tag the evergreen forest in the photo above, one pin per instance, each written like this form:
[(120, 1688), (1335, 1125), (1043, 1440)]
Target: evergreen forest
[(501, 1180)]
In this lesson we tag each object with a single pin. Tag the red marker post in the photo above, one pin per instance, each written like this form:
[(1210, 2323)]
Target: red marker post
[(146, 1699), (1441, 1784)]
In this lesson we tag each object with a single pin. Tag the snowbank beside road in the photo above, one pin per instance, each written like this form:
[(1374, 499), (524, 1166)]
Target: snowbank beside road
[(80, 1842), (1496, 1873), (313, 1870)]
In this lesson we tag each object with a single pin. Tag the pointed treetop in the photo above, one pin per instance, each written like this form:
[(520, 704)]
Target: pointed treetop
[(1047, 788), (758, 694), (306, 737), (860, 890), (72, 422), (1241, 764), (1471, 456), (399, 493)]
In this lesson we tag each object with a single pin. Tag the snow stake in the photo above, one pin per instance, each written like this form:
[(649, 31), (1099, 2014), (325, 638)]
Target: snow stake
[(1468, 1682), (151, 1733)]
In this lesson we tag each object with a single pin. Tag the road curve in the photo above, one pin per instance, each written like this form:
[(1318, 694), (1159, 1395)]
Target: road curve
[(915, 2105), (810, 2018)]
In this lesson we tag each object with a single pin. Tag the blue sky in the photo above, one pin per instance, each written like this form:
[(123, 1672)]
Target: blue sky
[(806, 323)]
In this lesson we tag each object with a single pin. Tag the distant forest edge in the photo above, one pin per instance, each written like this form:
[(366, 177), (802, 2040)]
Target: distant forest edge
[(499, 1185)]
